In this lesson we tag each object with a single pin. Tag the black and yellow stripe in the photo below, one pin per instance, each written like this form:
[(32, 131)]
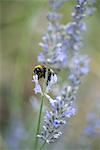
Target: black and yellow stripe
[(40, 70)]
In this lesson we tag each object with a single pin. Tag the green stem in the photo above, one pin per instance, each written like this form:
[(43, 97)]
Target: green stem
[(40, 113), (39, 120), (42, 146)]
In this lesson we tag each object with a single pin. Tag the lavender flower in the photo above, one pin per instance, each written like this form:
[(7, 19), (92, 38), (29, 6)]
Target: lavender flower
[(78, 68), (54, 119), (78, 65), (56, 4), (37, 88), (53, 49), (61, 49)]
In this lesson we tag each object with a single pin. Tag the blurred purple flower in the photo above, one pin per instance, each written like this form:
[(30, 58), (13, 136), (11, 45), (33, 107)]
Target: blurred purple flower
[(41, 58), (93, 126), (71, 112)]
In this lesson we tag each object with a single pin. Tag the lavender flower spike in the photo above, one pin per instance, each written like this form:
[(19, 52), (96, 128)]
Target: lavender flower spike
[(61, 49), (54, 119)]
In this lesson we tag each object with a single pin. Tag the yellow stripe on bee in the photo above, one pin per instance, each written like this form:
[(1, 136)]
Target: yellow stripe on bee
[(38, 66)]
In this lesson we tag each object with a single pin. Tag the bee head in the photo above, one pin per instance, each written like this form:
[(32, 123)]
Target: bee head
[(37, 71)]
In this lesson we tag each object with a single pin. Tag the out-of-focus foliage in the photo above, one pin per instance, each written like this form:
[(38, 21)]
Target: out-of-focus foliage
[(22, 24)]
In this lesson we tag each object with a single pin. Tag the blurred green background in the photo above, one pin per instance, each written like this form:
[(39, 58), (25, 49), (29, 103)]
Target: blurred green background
[(22, 24)]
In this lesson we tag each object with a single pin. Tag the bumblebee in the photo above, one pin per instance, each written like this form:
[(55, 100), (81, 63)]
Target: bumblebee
[(40, 71)]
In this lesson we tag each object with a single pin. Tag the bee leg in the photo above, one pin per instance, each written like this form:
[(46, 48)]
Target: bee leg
[(47, 83), (49, 78)]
